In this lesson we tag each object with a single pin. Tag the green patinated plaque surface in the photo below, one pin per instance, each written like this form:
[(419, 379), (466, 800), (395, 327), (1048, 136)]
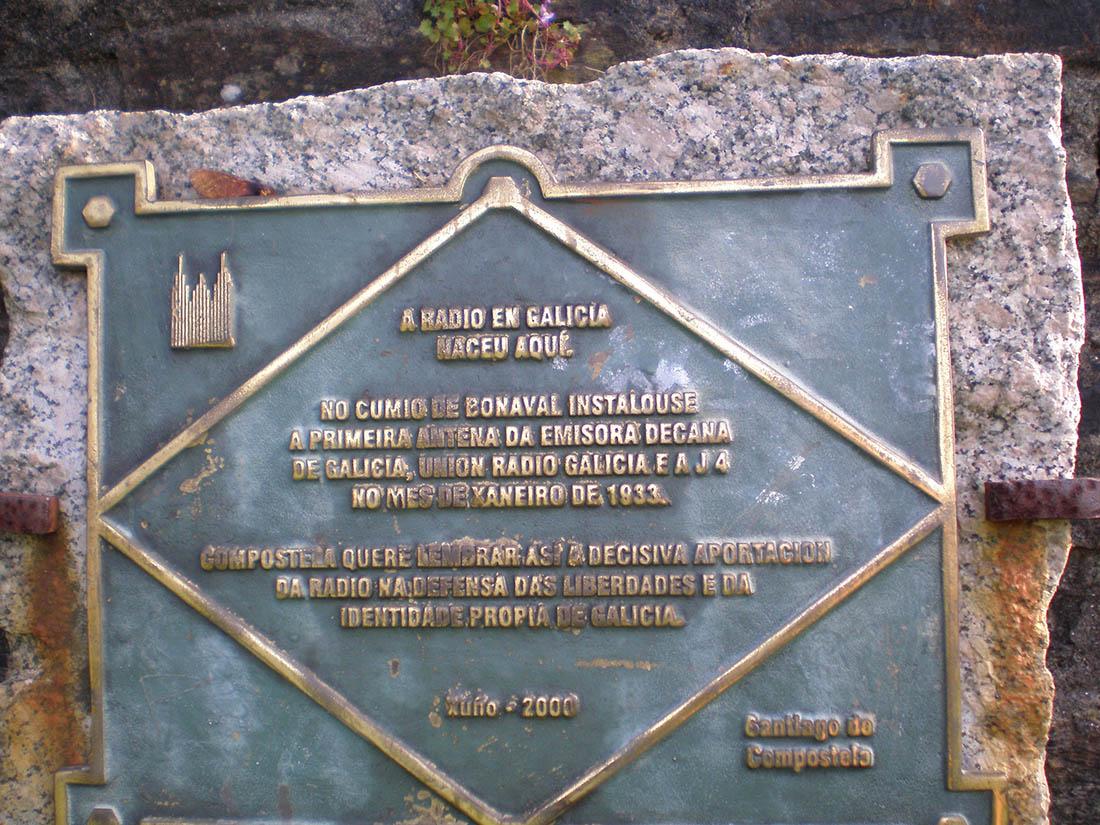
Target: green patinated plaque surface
[(522, 501)]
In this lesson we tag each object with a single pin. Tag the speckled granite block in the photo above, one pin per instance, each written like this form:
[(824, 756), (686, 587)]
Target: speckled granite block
[(1016, 312)]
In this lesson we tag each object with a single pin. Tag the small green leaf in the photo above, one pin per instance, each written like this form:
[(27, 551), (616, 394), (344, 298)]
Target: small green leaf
[(485, 22), (426, 27)]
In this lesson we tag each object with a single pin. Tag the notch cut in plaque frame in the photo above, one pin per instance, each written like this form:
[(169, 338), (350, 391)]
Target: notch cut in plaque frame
[(503, 194)]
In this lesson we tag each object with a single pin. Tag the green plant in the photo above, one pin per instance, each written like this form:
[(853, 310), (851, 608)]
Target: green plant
[(518, 36)]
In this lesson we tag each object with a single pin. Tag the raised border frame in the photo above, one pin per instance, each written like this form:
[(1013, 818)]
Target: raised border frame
[(502, 193)]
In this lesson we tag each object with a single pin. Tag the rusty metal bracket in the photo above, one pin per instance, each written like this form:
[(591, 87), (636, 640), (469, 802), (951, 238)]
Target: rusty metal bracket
[(28, 513), (1060, 498)]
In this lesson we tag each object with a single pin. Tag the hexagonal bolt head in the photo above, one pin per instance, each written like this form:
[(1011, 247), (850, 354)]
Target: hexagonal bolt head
[(932, 180), (103, 816), (98, 212)]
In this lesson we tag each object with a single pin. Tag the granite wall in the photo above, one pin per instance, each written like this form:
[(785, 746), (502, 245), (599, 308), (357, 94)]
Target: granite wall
[(77, 55)]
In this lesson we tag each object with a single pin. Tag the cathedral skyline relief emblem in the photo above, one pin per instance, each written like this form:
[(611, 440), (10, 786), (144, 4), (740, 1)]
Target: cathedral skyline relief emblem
[(203, 316)]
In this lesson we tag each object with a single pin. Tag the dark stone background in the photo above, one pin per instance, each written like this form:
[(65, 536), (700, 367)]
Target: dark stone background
[(77, 55)]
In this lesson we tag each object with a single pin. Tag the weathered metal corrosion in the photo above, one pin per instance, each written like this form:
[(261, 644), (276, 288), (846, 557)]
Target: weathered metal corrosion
[(1054, 498), (28, 513)]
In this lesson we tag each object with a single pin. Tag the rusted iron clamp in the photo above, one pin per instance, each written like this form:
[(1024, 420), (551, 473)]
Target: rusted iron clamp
[(1054, 498), (28, 513)]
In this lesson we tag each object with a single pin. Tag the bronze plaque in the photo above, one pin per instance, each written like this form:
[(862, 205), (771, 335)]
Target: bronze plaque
[(519, 501)]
